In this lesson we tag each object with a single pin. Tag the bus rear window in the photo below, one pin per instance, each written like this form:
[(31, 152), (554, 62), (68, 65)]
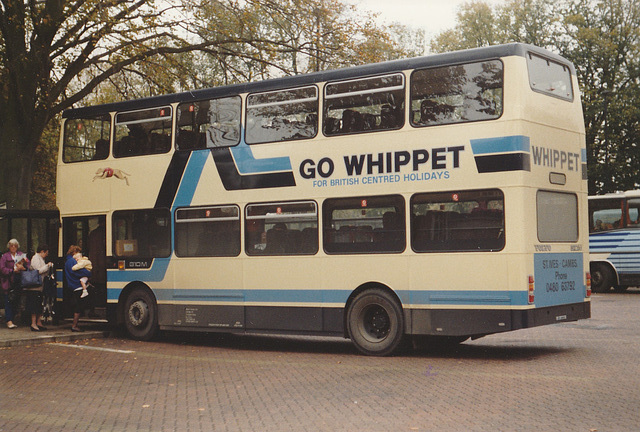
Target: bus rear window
[(86, 139), (557, 216), (549, 77), (470, 221), (364, 224)]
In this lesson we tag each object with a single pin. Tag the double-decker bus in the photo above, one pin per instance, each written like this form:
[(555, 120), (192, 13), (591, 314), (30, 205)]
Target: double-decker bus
[(614, 240), (441, 197)]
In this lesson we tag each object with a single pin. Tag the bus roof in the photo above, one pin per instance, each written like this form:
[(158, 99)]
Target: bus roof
[(456, 57)]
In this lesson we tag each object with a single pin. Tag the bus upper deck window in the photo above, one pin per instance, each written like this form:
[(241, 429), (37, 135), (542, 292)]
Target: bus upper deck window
[(282, 115), (456, 94), (86, 138), (143, 132), (208, 123), (363, 105)]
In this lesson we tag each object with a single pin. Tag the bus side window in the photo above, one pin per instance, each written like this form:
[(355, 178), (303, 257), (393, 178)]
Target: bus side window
[(363, 105), (281, 228), (282, 115), (142, 233), (461, 221), (143, 132), (455, 94), (364, 225), (86, 139), (208, 123), (207, 231)]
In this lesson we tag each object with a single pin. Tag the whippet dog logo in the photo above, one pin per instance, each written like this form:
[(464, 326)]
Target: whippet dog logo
[(105, 173)]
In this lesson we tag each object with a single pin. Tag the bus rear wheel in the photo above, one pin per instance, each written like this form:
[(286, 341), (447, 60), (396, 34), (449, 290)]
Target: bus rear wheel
[(140, 315), (375, 322), (602, 278)]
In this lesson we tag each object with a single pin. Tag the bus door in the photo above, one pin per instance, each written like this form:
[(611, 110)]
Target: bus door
[(89, 232)]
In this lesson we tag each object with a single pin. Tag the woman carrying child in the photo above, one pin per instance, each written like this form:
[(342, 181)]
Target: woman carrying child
[(74, 284)]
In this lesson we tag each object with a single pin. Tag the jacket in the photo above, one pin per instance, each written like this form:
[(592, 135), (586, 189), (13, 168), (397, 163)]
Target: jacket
[(73, 277), (7, 265)]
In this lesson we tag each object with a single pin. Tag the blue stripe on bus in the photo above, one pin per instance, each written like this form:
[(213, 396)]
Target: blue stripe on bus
[(248, 164), (626, 263), (514, 143), (155, 274), (611, 234), (476, 298), (618, 241), (453, 298), (191, 178)]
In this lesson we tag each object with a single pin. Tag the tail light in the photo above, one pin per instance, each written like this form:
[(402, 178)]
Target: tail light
[(531, 288), (588, 284)]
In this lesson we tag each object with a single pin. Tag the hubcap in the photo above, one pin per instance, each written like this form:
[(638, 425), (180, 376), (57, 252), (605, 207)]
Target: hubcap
[(138, 313), (376, 322)]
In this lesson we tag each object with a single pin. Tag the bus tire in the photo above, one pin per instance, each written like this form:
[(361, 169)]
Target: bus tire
[(375, 322), (141, 315), (602, 278)]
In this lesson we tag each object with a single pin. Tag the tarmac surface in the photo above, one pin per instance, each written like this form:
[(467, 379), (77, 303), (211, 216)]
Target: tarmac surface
[(574, 376)]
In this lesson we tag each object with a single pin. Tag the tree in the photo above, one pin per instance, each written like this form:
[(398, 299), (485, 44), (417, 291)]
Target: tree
[(535, 22), (602, 39), (47, 49), (475, 27), (56, 53), (289, 37)]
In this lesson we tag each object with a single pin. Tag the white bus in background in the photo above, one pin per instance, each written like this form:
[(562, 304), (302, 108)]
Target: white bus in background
[(614, 240), (441, 198)]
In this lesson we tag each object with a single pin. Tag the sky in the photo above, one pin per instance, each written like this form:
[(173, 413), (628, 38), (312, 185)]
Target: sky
[(433, 16)]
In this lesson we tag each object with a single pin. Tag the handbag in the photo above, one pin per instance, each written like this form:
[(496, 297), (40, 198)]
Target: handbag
[(31, 279), (49, 287)]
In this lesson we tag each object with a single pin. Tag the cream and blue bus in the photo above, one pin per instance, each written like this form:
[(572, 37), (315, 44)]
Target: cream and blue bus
[(441, 198), (614, 240)]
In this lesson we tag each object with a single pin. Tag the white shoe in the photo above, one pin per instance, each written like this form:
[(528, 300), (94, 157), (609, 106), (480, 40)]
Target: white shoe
[(84, 293)]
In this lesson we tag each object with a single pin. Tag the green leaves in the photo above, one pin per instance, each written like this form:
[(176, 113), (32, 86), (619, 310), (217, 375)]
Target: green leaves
[(602, 39)]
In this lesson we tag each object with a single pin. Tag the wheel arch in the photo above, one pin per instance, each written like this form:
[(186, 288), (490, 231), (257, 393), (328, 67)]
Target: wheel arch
[(608, 264)]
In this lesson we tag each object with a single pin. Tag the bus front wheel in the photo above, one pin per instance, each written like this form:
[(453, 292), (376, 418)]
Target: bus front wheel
[(602, 278), (140, 315), (375, 322)]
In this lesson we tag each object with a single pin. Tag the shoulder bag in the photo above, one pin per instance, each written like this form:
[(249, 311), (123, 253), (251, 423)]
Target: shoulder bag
[(30, 279)]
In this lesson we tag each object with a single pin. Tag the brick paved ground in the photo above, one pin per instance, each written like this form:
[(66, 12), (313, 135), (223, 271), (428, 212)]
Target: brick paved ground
[(582, 376)]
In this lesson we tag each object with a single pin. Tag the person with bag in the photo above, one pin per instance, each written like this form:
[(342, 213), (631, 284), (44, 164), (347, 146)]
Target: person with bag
[(34, 294), (10, 268), (73, 283)]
